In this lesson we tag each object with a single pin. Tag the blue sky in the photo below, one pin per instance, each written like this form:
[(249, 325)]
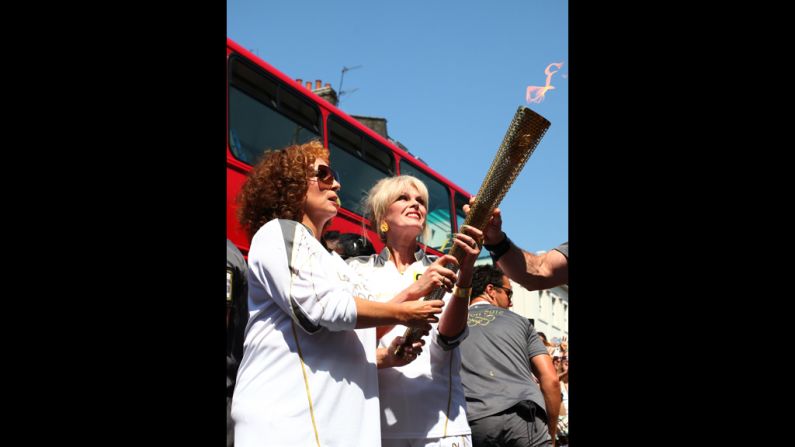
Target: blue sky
[(447, 75)]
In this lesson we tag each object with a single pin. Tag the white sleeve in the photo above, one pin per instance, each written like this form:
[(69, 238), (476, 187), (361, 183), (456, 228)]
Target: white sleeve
[(448, 343), (301, 277)]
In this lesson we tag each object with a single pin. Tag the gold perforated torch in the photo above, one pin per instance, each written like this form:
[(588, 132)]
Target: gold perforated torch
[(524, 134)]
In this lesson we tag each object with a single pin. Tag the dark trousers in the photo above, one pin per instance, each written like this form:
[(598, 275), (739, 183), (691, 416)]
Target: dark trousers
[(523, 425)]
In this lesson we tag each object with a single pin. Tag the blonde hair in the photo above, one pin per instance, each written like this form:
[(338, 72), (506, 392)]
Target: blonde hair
[(384, 193)]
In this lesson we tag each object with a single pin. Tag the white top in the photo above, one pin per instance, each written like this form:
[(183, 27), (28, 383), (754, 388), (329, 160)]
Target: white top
[(306, 377), (424, 399)]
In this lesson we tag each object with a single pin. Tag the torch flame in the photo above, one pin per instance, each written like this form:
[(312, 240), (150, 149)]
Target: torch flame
[(536, 94)]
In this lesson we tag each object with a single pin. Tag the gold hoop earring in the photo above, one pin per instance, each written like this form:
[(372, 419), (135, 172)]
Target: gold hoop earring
[(384, 227)]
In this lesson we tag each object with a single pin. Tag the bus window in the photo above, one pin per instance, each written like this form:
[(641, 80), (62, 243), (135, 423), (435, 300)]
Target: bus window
[(359, 161), (439, 219), (264, 114)]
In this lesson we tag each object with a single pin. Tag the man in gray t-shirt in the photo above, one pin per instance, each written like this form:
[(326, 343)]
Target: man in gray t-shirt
[(504, 404)]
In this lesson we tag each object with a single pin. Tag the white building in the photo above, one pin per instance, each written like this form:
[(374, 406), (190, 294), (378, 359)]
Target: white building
[(549, 309)]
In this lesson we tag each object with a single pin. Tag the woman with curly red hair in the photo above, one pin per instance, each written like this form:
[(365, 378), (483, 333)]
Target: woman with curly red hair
[(308, 373)]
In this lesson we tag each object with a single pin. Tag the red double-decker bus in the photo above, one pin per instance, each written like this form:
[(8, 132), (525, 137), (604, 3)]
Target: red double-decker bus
[(267, 110)]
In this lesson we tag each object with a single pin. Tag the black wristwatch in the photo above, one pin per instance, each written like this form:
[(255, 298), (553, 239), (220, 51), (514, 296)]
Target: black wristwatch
[(497, 250)]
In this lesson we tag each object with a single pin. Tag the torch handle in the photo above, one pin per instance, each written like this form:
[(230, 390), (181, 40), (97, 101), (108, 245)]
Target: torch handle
[(413, 334)]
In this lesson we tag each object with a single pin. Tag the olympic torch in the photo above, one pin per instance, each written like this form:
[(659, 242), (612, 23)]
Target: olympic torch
[(521, 139)]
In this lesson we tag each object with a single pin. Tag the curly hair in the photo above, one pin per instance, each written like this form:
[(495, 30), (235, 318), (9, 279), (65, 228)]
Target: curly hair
[(482, 276), (276, 187)]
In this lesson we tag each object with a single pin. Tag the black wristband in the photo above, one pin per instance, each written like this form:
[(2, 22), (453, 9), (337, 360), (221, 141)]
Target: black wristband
[(497, 250)]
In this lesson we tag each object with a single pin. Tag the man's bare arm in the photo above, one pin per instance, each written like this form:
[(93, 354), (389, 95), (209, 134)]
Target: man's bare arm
[(535, 272)]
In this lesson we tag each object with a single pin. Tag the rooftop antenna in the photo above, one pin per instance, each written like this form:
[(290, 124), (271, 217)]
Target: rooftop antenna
[(342, 76)]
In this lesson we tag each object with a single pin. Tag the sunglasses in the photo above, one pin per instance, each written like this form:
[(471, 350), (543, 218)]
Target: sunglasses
[(326, 175), (509, 292)]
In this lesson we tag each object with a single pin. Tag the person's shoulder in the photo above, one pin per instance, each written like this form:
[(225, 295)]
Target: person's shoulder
[(272, 225), (361, 260), (285, 226), (276, 230), (490, 308), (563, 249), (425, 258), (511, 314), (232, 251), (233, 255)]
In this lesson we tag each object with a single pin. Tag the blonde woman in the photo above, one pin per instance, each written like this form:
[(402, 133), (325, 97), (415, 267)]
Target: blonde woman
[(422, 403)]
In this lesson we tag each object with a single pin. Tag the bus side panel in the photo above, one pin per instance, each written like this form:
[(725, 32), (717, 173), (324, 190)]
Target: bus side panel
[(235, 176)]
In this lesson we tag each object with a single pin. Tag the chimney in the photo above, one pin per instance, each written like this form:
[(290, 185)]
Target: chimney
[(326, 92), (299, 81), (309, 85)]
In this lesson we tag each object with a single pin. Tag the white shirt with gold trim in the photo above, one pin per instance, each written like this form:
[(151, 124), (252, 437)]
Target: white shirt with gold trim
[(424, 399), (307, 378)]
